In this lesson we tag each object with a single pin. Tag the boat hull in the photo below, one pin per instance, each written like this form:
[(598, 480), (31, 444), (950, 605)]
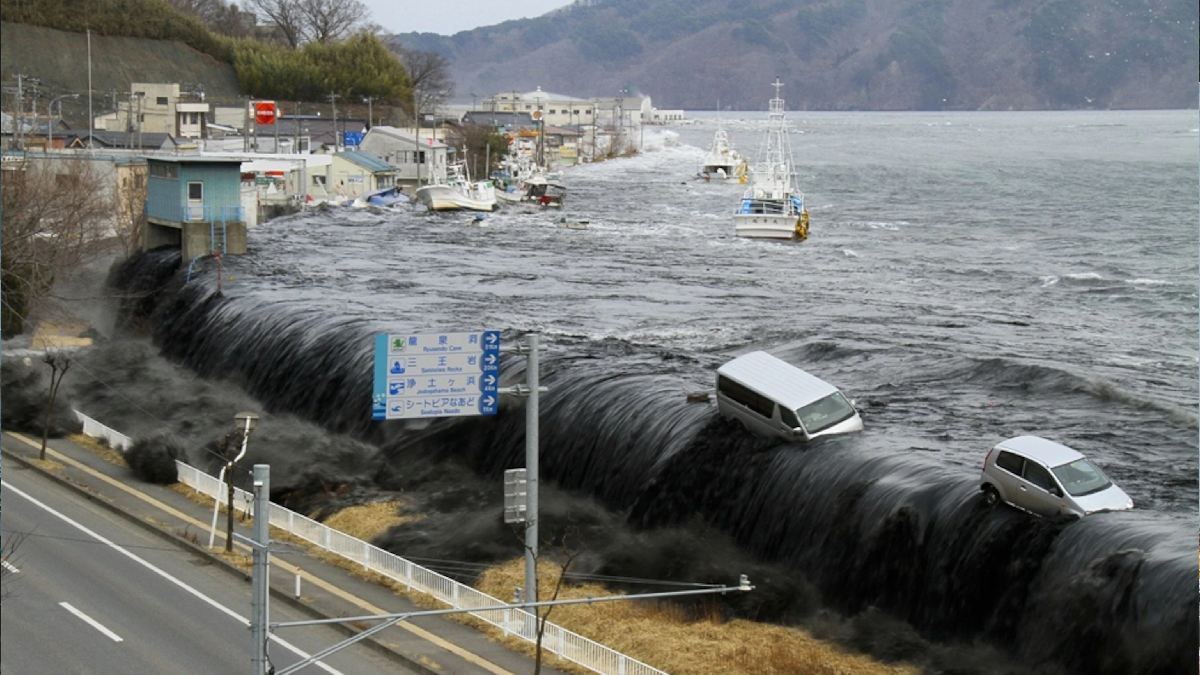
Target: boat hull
[(767, 225), (446, 198)]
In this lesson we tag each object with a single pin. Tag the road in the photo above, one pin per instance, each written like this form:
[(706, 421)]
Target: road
[(87, 591)]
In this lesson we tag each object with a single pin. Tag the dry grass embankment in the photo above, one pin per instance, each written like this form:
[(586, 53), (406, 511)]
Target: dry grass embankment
[(657, 633), (663, 636)]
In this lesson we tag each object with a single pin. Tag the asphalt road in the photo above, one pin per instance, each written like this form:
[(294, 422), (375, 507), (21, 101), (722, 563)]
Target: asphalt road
[(86, 591)]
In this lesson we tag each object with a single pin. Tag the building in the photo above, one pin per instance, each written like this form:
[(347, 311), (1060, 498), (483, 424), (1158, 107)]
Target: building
[(499, 121), (117, 140), (158, 108), (195, 203), (415, 161), (353, 174), (556, 109)]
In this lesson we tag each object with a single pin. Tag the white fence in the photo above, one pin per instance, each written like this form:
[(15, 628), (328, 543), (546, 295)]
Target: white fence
[(520, 623)]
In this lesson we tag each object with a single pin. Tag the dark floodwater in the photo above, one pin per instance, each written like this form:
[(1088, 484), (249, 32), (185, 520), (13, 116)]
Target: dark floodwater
[(969, 277)]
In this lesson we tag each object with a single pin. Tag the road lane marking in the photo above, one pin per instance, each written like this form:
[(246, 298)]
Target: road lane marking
[(9, 566), (328, 587), (162, 573), (91, 622)]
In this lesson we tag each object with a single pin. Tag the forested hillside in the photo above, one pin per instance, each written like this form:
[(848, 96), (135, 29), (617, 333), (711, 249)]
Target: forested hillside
[(155, 41), (844, 54)]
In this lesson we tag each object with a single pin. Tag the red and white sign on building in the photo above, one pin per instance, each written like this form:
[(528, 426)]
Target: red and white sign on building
[(264, 112)]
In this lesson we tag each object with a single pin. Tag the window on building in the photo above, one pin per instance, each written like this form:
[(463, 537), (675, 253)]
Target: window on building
[(318, 180), (160, 100), (195, 191), (141, 117)]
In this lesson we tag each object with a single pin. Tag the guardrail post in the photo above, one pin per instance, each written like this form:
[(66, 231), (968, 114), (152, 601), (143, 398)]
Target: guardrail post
[(366, 560)]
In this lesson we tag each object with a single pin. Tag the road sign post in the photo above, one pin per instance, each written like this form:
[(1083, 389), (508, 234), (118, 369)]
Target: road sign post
[(422, 375), (436, 375)]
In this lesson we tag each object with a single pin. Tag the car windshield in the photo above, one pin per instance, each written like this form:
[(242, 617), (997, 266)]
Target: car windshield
[(825, 413), (1081, 477)]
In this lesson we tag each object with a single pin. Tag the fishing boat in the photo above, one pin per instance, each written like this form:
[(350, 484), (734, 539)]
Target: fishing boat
[(723, 163), (773, 206), (456, 191)]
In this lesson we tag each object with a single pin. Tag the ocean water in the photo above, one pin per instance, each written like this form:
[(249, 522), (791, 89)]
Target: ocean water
[(968, 277)]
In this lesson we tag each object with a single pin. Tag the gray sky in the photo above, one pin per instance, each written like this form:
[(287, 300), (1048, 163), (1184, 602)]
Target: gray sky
[(451, 16)]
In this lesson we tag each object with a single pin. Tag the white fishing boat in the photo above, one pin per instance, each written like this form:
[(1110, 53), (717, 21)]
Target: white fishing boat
[(723, 163), (456, 191), (773, 206)]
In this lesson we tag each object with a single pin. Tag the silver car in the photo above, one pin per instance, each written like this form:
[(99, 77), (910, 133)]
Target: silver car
[(1047, 479)]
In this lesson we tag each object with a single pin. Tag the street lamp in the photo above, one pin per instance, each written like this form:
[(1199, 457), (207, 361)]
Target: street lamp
[(246, 422), (50, 117), (370, 113)]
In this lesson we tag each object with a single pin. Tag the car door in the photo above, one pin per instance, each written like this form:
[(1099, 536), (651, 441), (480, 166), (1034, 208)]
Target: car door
[(1039, 491)]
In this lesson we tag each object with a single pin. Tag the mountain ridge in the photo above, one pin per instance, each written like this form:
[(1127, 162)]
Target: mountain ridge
[(842, 54)]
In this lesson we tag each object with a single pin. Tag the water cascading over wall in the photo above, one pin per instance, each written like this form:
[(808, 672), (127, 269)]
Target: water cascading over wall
[(1111, 593)]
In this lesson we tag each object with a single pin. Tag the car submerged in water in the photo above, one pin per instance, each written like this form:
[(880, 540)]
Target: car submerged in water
[(771, 397), (1047, 479)]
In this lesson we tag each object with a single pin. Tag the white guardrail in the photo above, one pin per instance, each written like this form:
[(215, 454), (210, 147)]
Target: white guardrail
[(518, 622)]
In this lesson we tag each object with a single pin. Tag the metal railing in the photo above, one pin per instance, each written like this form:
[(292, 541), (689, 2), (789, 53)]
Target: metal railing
[(114, 438), (516, 622)]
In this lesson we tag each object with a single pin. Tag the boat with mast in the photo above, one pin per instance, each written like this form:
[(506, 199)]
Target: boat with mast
[(723, 162), (773, 206), (456, 191)]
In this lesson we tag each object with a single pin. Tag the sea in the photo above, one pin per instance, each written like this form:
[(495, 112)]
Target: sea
[(968, 277)]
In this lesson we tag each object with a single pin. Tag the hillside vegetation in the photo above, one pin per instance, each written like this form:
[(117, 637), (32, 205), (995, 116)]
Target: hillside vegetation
[(844, 54), (59, 59), (149, 41)]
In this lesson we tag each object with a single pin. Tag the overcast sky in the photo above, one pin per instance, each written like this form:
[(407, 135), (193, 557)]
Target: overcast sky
[(451, 16)]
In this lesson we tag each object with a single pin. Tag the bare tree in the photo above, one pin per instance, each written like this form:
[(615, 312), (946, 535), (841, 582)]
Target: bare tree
[(331, 20), (59, 363), (286, 16), (56, 216), (130, 208), (543, 617), (428, 75)]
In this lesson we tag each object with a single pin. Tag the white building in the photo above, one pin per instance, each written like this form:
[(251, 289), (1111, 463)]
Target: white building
[(557, 110), (415, 159), (158, 108)]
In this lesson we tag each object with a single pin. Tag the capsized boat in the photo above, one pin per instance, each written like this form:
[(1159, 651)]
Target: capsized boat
[(723, 162), (773, 206), (456, 191)]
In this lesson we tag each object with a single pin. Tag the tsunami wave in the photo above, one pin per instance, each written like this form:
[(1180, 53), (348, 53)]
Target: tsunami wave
[(898, 531)]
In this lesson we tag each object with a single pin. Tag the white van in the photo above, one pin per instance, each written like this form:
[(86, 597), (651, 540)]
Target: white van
[(772, 397)]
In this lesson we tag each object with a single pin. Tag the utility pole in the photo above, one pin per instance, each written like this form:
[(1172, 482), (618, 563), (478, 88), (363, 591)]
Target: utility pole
[(18, 132), (333, 104), (33, 103), (531, 469), (90, 119), (246, 127), (140, 96), (260, 574), (417, 133)]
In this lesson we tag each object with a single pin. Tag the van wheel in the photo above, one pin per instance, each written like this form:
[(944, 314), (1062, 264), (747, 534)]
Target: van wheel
[(990, 496)]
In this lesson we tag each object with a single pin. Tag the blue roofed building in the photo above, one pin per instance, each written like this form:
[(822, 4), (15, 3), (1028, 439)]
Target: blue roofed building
[(194, 203)]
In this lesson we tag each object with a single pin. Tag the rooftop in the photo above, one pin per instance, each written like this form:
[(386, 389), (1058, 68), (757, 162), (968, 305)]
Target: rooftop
[(777, 379), (366, 160)]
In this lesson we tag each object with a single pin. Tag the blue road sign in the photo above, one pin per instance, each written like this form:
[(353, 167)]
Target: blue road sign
[(436, 375), (352, 138)]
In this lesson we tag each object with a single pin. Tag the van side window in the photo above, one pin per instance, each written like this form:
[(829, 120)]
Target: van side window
[(747, 397), (789, 417), (1038, 475), (1010, 462)]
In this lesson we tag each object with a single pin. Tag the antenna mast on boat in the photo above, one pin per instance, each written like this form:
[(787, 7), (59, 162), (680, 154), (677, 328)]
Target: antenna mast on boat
[(776, 158)]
